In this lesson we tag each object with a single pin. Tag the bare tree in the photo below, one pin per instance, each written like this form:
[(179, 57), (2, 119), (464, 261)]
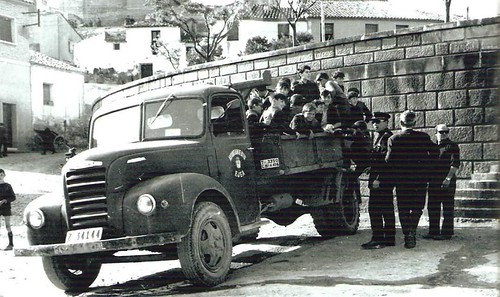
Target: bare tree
[(447, 4), (298, 10), (204, 26)]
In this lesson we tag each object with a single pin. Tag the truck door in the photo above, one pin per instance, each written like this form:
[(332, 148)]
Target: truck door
[(235, 163)]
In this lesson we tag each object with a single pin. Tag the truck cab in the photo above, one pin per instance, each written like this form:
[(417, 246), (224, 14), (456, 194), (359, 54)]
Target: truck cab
[(176, 169)]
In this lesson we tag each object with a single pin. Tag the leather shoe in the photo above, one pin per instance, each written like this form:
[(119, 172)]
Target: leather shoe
[(373, 245), (390, 243), (9, 248)]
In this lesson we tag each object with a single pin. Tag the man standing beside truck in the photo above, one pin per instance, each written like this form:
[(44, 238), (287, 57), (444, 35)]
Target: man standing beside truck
[(410, 155)]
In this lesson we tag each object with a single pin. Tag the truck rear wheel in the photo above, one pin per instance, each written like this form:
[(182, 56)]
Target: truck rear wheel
[(70, 273), (205, 252), (342, 217)]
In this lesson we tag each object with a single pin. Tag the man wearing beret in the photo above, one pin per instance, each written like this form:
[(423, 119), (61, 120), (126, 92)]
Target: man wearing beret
[(381, 202), (442, 186), (410, 154)]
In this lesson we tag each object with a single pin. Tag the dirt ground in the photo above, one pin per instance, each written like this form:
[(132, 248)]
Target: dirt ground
[(291, 261)]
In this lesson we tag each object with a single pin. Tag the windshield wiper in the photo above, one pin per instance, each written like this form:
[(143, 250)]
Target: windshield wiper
[(162, 107)]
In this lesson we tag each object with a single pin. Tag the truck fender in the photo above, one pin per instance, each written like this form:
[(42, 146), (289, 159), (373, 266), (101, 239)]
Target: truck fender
[(54, 229), (175, 197)]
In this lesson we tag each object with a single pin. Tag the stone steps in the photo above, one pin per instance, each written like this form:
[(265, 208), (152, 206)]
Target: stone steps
[(477, 213)]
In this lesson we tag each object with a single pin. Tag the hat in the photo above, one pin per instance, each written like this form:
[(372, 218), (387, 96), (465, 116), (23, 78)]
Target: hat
[(408, 118), (353, 90), (360, 125), (442, 127), (321, 76), (380, 116)]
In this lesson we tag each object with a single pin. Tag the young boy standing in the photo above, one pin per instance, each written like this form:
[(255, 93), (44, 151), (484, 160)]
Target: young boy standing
[(6, 197)]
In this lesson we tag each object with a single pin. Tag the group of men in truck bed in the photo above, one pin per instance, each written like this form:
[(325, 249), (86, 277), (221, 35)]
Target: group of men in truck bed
[(408, 161)]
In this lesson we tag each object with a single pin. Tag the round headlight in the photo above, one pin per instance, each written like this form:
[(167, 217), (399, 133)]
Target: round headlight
[(36, 219), (146, 204)]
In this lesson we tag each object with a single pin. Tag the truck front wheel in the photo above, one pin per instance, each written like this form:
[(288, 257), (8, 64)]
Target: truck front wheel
[(205, 252), (341, 217), (70, 273)]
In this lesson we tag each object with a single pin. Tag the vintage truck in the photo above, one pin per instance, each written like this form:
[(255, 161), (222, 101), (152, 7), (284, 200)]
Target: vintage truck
[(174, 171)]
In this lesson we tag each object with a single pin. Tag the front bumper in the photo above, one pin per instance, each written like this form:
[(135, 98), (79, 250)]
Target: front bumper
[(107, 245)]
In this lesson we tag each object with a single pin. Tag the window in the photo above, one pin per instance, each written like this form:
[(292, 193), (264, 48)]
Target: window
[(226, 116), (116, 46), (146, 70), (329, 31), (233, 33), (71, 46), (155, 35), (6, 26), (283, 30), (371, 28), (47, 97), (401, 27)]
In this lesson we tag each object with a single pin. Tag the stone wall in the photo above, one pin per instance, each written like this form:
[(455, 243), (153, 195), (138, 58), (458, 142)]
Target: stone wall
[(447, 73)]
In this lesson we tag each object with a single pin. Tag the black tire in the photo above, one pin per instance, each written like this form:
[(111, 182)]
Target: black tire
[(59, 143), (342, 217), (71, 273), (205, 252)]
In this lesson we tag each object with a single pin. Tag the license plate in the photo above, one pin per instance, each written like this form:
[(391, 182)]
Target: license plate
[(270, 163), (84, 235)]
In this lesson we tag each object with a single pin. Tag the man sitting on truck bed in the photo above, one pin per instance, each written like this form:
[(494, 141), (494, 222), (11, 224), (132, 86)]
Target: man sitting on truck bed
[(274, 117), (306, 123)]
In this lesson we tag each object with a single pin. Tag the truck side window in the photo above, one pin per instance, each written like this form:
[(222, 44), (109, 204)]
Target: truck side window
[(227, 116)]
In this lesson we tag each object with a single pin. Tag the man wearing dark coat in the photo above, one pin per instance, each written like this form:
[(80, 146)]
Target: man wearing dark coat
[(410, 155), (381, 201)]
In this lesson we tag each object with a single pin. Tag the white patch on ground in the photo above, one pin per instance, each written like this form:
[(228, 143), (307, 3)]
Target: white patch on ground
[(487, 272)]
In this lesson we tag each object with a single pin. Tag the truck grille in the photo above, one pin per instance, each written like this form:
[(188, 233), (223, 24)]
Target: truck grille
[(86, 190)]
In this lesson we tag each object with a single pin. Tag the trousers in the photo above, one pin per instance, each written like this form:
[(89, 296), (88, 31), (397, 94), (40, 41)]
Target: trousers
[(441, 198), (410, 197)]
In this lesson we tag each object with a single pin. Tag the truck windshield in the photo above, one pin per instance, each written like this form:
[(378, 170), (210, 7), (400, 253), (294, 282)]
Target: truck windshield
[(118, 127), (177, 117)]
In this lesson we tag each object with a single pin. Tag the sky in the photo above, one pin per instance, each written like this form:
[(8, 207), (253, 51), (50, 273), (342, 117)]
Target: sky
[(477, 8)]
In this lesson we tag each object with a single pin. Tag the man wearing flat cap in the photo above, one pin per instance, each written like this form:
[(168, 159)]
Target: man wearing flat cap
[(381, 202), (410, 154), (442, 186)]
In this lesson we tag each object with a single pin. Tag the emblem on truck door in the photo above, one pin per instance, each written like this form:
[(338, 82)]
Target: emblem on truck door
[(237, 158)]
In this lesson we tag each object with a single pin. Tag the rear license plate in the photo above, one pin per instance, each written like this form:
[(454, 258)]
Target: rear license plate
[(84, 235)]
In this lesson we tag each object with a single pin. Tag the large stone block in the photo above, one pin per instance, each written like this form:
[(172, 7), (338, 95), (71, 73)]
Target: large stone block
[(486, 133), (470, 151), (482, 31), (420, 51), (358, 59), (178, 79), (452, 99), (238, 77), (418, 66), (252, 75), (469, 116), (421, 101), (435, 117), (461, 134), (442, 49), (473, 79), (332, 63), (465, 170), (214, 72), (388, 43), (432, 37), (324, 53), (228, 69), (261, 64), (223, 80), (490, 43), (483, 97), (191, 76), (287, 70), (464, 46), (355, 72), (439, 81), (404, 84), (462, 61), (367, 46), (245, 66), (344, 49), (315, 65), (203, 74), (481, 167), (300, 57), (373, 87), (408, 40), (454, 34), (490, 59), (491, 151), (491, 115), (388, 103), (389, 55), (277, 61), (374, 70)]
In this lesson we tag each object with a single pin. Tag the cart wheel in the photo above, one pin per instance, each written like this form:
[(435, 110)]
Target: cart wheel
[(59, 143)]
